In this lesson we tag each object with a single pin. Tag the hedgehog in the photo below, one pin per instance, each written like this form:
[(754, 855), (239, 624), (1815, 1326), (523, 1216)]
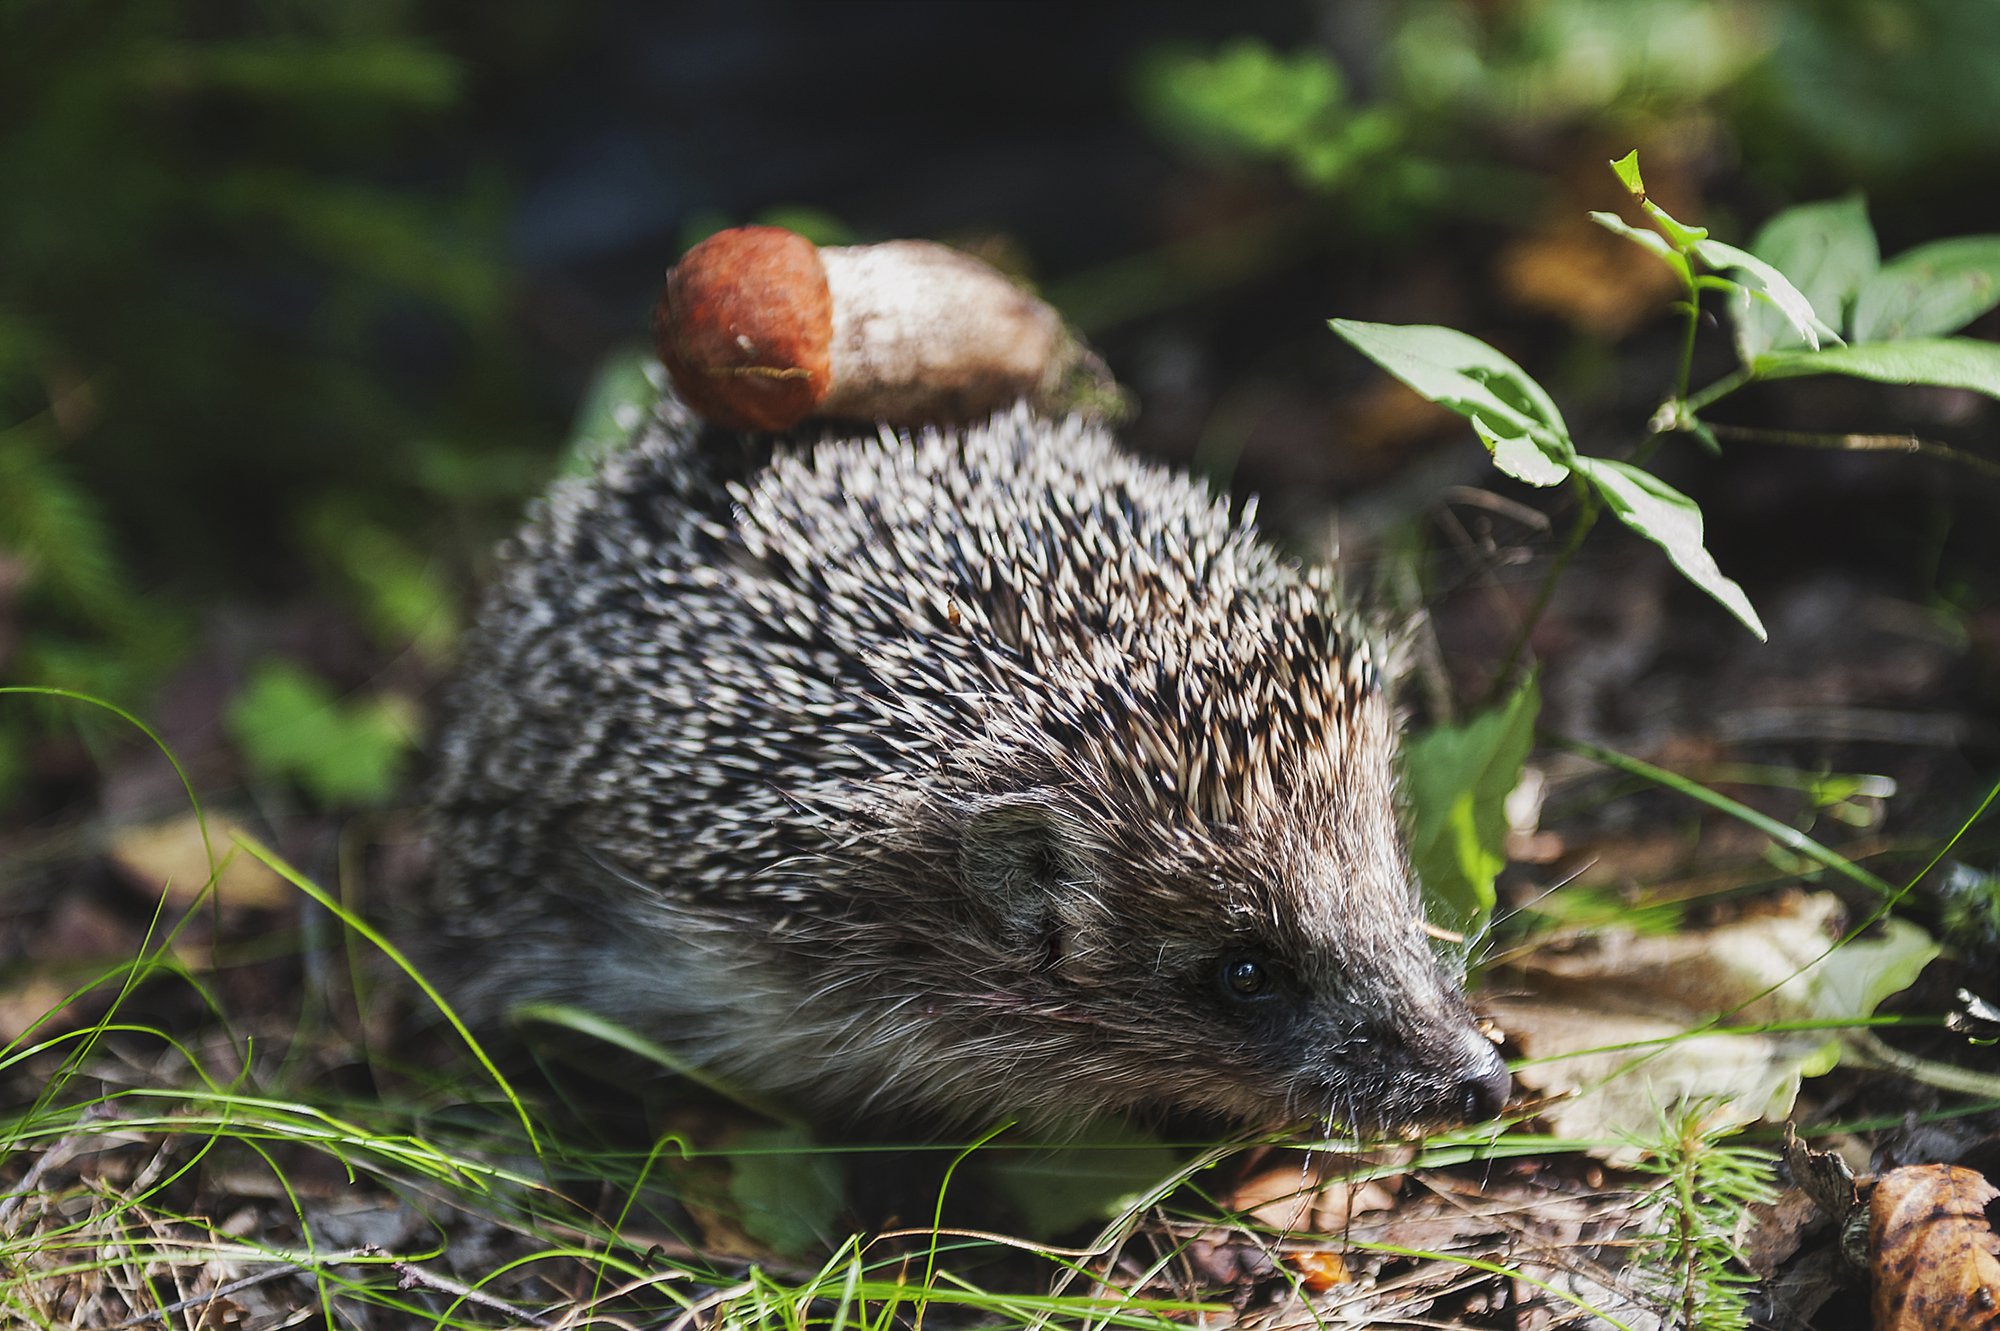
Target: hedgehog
[(939, 777)]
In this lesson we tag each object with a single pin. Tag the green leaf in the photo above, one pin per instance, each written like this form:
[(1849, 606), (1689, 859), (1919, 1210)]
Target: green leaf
[(1851, 983), (1828, 250), (1649, 240), (1679, 234), (1626, 169), (1458, 371), (1932, 289), (1761, 279), (620, 399), (789, 1189), (1669, 519), (1947, 362), (1458, 778), (1520, 457), (289, 726)]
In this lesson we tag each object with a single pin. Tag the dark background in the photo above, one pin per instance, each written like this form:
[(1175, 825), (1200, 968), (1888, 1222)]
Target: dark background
[(298, 302)]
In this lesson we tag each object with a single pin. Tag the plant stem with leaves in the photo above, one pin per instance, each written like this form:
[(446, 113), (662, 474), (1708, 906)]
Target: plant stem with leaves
[(1700, 1206)]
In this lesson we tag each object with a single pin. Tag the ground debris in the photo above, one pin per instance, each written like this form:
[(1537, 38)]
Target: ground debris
[(1526, 1246)]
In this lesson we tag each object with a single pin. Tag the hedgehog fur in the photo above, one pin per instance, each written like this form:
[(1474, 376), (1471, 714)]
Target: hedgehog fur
[(934, 779)]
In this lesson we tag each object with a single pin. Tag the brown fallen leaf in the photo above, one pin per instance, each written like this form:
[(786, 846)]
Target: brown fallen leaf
[(1775, 1230), (1823, 1176), (32, 1001), (1308, 1197), (1936, 1261), (171, 860), (1279, 1198), (1320, 1271)]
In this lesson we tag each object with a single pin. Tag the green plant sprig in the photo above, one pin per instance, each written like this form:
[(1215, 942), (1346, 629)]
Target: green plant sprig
[(1809, 297), (1702, 1202)]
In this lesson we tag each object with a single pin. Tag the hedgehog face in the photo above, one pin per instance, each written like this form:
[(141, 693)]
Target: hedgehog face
[(1374, 1037), (1289, 964)]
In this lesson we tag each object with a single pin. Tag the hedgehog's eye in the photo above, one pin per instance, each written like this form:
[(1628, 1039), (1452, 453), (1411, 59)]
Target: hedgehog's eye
[(1247, 979)]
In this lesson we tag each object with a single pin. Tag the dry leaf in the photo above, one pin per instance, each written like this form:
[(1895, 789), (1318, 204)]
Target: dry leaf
[(1775, 1231), (1607, 1027), (1936, 1261), (170, 860), (1343, 1199), (1320, 1271), (1823, 1176), (1280, 1199), (1635, 1065), (31, 999)]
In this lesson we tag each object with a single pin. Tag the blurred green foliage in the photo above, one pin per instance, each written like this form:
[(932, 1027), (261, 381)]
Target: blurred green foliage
[(1815, 94), (1295, 109), (254, 325), (290, 727), (1883, 93), (1291, 107), (1616, 65), (246, 288)]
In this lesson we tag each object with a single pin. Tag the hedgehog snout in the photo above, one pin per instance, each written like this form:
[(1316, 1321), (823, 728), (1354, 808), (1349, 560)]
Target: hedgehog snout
[(1395, 1083), (1397, 1045), (1459, 1075), (1483, 1089)]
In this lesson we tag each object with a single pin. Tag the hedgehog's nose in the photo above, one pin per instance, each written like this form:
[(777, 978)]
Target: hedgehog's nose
[(1483, 1093)]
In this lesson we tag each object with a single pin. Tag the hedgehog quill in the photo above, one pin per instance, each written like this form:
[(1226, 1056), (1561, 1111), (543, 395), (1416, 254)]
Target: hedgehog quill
[(939, 777)]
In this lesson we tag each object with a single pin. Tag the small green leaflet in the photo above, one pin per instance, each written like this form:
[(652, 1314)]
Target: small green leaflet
[(1056, 1189), (1670, 520), (1761, 282), (1648, 240), (789, 1189), (1679, 234), (1677, 241), (1766, 283)]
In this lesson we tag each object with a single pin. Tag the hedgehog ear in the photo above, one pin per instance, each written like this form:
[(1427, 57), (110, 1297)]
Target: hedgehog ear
[(1016, 858)]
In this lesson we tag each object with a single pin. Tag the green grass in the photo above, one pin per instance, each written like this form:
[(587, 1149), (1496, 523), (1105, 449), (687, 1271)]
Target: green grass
[(170, 1151)]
